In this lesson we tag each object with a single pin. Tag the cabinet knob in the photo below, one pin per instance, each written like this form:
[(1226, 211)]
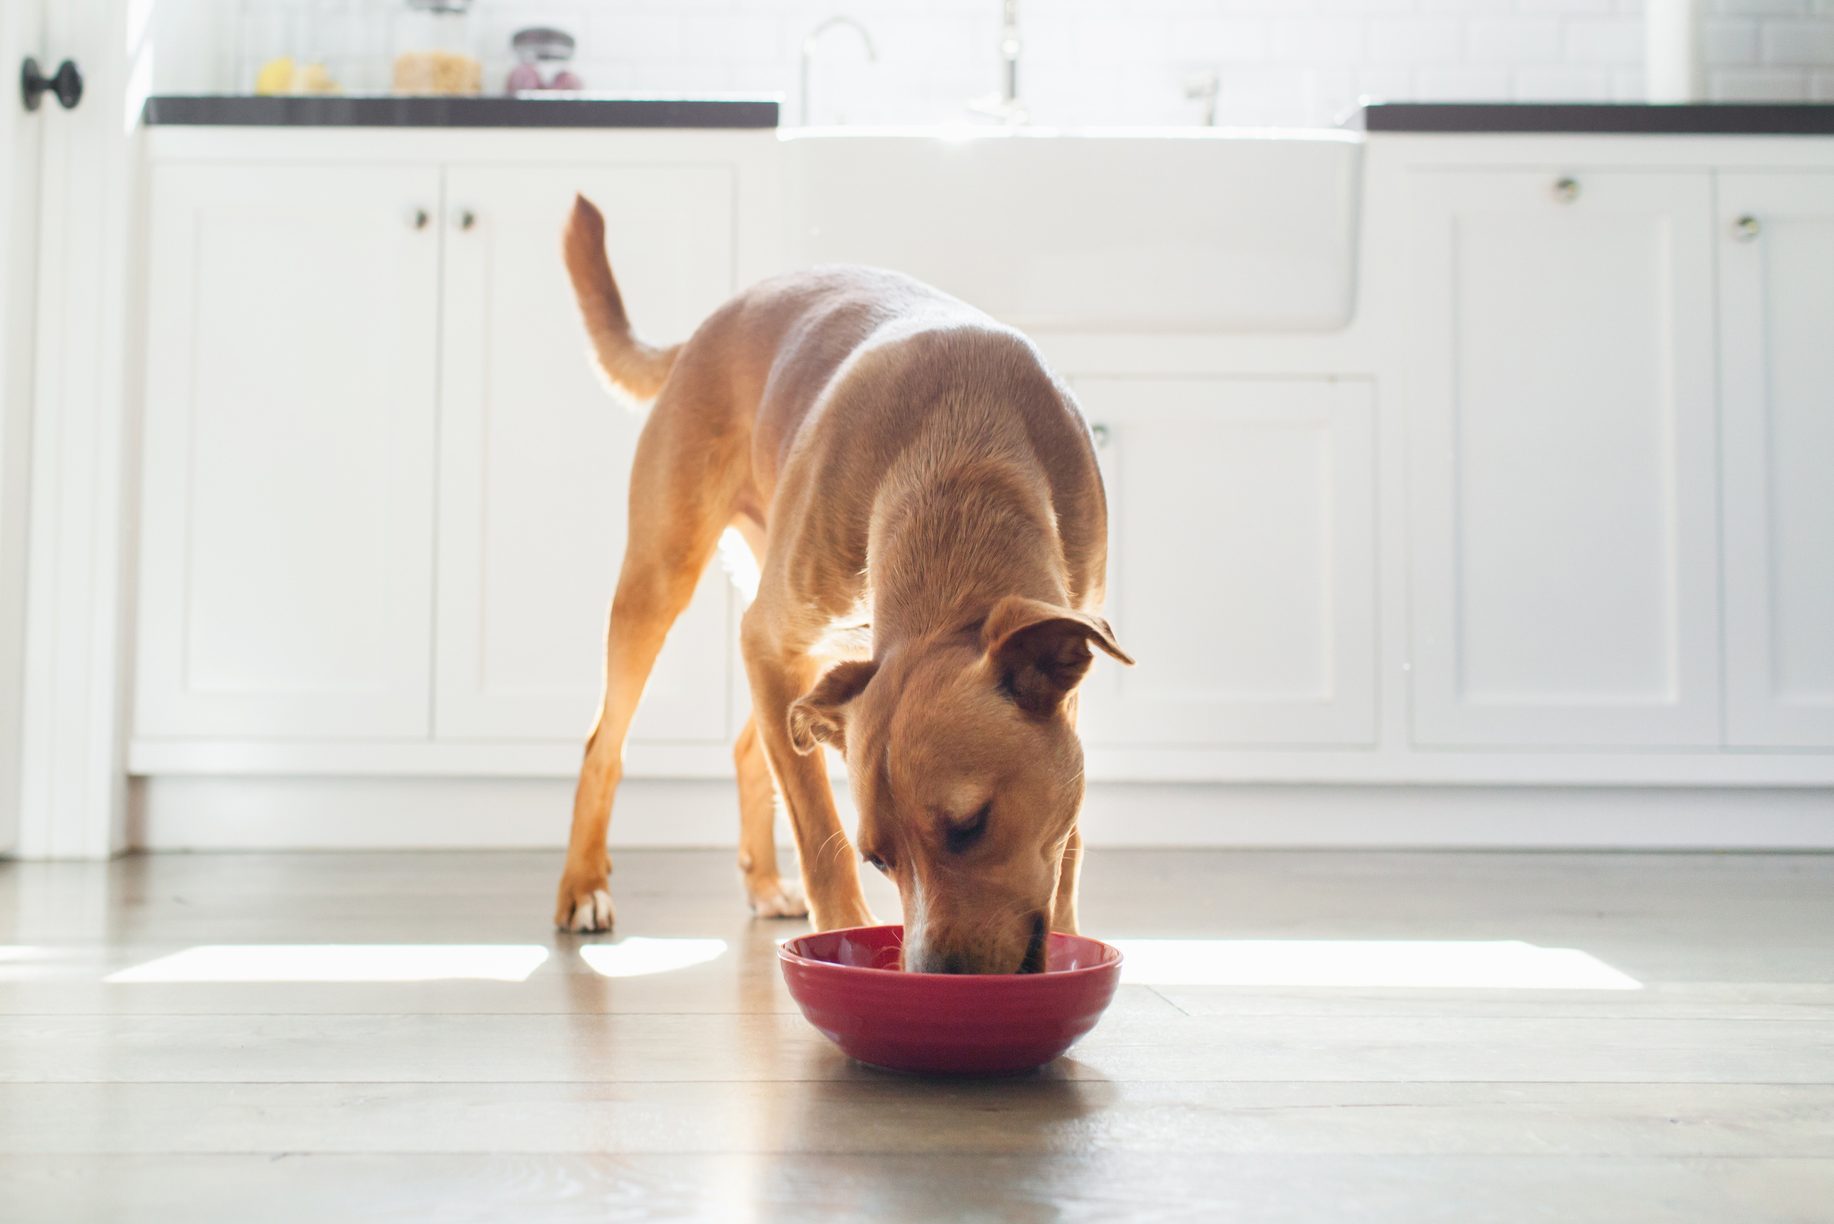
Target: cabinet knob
[(66, 84), (1566, 190), (420, 218), (1100, 434), (1746, 228), (465, 219)]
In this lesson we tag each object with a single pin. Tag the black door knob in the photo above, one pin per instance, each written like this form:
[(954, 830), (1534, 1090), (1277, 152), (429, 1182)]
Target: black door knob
[(66, 84)]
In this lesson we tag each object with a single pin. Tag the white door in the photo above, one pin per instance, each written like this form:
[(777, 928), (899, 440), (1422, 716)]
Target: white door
[(21, 24), (287, 546), (1560, 415), (1241, 567), (1776, 277), (535, 454)]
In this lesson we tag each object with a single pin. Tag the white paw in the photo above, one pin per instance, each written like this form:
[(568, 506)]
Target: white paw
[(592, 913), (778, 900)]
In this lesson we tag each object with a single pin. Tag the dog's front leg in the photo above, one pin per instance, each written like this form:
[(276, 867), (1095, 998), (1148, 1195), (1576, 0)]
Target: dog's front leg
[(830, 876)]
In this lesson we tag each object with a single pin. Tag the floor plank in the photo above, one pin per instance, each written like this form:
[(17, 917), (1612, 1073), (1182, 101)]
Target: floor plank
[(1122, 1186), (869, 1113)]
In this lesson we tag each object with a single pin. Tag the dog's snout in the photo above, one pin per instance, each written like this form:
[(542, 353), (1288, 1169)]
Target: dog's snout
[(1020, 951)]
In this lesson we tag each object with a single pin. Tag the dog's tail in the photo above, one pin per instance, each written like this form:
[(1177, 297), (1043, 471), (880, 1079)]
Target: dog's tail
[(636, 368)]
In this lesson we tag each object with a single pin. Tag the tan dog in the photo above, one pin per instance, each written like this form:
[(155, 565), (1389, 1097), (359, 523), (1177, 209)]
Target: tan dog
[(900, 464)]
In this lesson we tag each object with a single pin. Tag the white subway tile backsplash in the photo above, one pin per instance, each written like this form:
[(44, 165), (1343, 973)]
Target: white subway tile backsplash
[(1462, 83), (1473, 83), (1593, 7), (1385, 83), (1757, 7), (1560, 83), (1611, 40), (1798, 42), (1513, 40), (1415, 40), (1118, 40), (1231, 39), (1730, 40), (1757, 85), (1281, 62), (1316, 40), (1628, 85)]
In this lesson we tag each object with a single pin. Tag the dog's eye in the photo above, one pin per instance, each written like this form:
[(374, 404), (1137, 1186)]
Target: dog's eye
[(964, 834), (874, 861)]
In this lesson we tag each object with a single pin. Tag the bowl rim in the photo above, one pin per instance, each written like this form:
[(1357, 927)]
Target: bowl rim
[(1109, 963)]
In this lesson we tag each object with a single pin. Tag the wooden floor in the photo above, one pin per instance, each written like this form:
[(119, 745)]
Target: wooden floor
[(1676, 1064)]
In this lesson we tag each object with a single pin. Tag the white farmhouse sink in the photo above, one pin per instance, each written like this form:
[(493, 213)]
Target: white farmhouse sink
[(1173, 230)]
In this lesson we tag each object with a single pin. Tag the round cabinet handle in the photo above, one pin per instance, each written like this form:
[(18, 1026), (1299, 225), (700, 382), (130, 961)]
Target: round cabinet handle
[(465, 219), (1566, 190), (66, 84), (1746, 228), (1100, 434), (420, 218)]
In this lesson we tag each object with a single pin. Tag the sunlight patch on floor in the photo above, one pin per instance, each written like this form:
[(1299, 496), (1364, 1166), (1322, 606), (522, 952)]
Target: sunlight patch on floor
[(639, 957), (340, 963), (1370, 963)]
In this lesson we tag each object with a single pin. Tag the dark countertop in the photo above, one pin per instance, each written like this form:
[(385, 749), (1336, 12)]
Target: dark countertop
[(1602, 118), (569, 111)]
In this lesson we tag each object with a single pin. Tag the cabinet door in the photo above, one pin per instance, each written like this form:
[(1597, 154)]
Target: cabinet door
[(1777, 416), (286, 554), (1241, 564), (1560, 410), (535, 454)]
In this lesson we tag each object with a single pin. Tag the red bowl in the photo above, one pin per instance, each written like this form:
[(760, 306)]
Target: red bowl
[(850, 987)]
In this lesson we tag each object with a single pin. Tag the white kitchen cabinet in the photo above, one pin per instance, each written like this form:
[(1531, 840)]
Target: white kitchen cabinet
[(1559, 399), (1241, 562), (287, 538), (1776, 274), (535, 454)]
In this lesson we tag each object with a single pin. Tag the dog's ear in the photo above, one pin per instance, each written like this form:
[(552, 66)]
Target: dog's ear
[(817, 716), (1040, 652)]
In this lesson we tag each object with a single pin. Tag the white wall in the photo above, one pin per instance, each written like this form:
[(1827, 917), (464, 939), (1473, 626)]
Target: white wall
[(1085, 61)]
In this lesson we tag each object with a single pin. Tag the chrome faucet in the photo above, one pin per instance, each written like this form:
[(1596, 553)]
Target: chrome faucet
[(1204, 87), (1005, 105), (808, 55)]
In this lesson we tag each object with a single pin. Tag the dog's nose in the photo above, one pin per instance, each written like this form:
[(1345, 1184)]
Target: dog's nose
[(932, 960), (1034, 947)]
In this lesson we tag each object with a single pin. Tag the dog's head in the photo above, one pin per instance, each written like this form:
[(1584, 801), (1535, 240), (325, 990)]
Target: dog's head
[(968, 775)]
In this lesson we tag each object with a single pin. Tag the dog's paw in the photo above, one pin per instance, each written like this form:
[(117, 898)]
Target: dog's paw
[(584, 905), (775, 898)]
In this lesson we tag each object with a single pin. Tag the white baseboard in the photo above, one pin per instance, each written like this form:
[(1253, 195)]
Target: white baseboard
[(201, 813)]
